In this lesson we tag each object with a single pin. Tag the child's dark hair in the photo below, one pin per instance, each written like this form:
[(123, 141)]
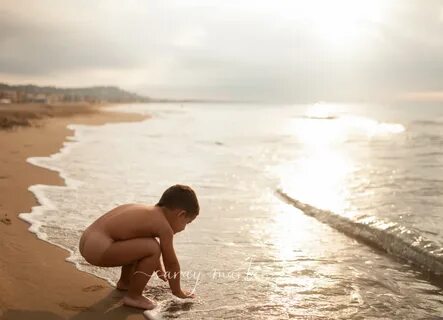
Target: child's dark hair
[(180, 197)]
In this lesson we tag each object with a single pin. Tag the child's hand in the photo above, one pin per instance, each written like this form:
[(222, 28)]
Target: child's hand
[(184, 294)]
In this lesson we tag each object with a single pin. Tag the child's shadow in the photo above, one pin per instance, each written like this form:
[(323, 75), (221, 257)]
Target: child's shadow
[(110, 307)]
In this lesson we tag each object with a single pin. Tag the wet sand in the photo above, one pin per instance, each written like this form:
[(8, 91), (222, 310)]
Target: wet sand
[(35, 280)]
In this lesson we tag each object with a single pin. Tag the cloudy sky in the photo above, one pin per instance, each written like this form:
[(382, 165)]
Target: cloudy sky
[(285, 50)]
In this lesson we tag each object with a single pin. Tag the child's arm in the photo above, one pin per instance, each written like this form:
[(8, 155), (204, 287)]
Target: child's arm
[(171, 264)]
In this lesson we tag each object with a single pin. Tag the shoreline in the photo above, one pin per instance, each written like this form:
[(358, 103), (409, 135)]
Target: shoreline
[(36, 280)]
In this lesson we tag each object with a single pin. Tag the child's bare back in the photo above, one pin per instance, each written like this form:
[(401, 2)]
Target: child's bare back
[(134, 236)]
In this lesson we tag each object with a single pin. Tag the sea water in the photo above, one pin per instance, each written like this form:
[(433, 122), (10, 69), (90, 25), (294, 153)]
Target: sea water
[(251, 254)]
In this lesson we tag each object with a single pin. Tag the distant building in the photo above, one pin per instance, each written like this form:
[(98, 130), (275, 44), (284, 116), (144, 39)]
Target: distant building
[(9, 95), (5, 101), (54, 98), (40, 98)]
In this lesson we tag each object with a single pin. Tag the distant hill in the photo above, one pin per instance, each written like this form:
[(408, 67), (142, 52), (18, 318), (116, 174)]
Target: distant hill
[(93, 94)]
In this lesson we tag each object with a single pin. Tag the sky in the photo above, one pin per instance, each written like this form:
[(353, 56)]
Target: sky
[(253, 50)]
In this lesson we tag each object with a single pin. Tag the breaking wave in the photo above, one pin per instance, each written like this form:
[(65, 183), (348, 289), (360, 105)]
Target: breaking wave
[(390, 237)]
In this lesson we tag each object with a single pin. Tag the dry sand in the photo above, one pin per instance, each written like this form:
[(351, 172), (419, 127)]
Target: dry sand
[(35, 280)]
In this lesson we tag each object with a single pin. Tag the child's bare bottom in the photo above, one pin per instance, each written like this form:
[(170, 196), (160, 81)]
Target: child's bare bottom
[(139, 258)]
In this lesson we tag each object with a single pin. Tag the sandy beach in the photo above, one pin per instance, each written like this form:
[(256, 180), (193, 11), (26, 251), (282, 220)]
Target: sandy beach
[(35, 280)]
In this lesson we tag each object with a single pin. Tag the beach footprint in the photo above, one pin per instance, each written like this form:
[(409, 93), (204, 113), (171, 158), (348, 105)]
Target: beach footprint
[(6, 220), (93, 288), (70, 307)]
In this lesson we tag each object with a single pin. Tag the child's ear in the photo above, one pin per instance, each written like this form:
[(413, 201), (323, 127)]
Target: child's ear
[(182, 212)]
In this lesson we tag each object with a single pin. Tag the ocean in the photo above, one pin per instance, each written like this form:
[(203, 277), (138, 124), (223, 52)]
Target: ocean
[(290, 195)]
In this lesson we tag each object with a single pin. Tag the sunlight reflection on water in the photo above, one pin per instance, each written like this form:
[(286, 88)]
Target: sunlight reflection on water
[(322, 174)]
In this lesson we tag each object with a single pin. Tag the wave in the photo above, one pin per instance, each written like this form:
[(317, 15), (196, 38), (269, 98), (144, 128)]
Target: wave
[(328, 117), (428, 122), (390, 237)]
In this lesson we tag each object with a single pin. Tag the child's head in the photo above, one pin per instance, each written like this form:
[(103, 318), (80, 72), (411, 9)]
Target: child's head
[(182, 200)]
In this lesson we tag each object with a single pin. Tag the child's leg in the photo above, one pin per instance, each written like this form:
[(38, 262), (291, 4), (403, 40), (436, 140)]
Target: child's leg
[(125, 276), (143, 272), (127, 272), (145, 252)]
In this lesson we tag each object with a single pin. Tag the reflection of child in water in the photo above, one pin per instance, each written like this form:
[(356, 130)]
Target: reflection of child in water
[(126, 236)]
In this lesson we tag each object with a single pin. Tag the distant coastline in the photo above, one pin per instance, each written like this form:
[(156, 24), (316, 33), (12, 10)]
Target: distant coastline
[(51, 95), (55, 95)]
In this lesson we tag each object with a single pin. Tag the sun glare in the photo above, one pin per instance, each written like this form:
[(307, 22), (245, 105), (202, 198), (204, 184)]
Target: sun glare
[(320, 175), (341, 23)]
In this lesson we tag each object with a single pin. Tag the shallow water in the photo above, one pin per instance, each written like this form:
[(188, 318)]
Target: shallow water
[(250, 254)]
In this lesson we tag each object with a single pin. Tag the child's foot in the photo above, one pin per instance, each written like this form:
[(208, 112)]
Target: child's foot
[(122, 285), (139, 302)]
